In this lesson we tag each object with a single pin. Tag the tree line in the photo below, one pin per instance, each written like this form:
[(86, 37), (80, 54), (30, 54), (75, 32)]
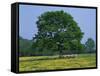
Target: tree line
[(26, 49)]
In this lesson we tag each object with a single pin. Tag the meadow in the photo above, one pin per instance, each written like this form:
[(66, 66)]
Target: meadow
[(37, 63)]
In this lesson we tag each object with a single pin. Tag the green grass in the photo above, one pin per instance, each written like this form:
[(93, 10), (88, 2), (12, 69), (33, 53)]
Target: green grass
[(36, 63)]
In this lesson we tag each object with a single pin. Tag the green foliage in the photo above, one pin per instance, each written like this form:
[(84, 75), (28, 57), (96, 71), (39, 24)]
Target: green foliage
[(90, 45), (24, 47), (57, 27)]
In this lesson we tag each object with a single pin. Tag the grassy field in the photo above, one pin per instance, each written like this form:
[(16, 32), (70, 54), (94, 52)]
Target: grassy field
[(36, 63)]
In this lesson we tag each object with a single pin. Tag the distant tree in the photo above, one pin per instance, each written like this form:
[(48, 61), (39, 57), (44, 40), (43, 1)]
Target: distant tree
[(25, 47), (57, 31), (90, 45)]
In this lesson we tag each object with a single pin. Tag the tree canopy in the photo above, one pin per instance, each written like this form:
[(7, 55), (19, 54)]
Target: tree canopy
[(57, 32), (90, 45)]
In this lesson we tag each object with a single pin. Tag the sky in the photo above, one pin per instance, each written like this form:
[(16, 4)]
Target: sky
[(28, 15)]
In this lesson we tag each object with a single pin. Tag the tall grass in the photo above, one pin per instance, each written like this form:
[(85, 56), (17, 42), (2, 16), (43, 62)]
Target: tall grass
[(53, 62)]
